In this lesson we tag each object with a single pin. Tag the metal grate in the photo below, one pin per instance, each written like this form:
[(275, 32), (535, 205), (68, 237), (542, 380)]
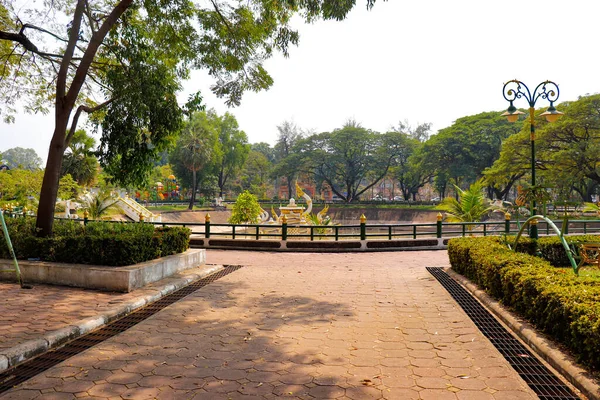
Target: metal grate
[(29, 369), (539, 378)]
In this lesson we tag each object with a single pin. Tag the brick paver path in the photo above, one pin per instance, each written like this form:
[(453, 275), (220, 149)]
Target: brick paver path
[(347, 326), (28, 314)]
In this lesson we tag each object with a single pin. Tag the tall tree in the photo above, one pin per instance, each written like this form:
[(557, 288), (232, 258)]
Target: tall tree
[(255, 173), (21, 158), (197, 147), (287, 160), (408, 170), (79, 160), (570, 147), (233, 148), (351, 159), (462, 151), (134, 55)]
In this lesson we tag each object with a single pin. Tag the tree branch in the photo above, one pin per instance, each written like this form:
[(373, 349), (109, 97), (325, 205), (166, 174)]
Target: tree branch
[(90, 53), (80, 109), (21, 39), (61, 82)]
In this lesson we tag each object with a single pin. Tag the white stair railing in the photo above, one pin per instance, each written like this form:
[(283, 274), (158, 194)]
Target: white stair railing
[(133, 210)]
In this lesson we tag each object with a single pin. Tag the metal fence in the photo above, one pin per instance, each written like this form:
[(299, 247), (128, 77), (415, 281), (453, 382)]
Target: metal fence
[(364, 231)]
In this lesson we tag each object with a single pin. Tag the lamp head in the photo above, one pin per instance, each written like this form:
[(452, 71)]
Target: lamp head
[(512, 114), (552, 114)]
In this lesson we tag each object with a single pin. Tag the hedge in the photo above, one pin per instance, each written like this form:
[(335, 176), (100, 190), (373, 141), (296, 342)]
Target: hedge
[(97, 243), (556, 301)]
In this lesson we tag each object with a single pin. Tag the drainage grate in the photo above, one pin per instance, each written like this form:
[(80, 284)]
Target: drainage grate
[(539, 378), (29, 369)]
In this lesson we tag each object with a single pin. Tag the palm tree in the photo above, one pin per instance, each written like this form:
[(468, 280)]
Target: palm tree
[(471, 206), (79, 159), (100, 204), (196, 147)]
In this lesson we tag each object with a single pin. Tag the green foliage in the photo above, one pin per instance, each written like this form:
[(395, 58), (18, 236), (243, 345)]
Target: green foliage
[(352, 159), (246, 209), (79, 161), (20, 185), (472, 205), (233, 149), (68, 188), (461, 152), (195, 156), (408, 166), (255, 173), (135, 55), (558, 302), (20, 158), (100, 204), (97, 243)]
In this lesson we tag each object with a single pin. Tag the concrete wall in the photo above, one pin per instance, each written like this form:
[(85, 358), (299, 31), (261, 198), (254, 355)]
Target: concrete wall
[(118, 279)]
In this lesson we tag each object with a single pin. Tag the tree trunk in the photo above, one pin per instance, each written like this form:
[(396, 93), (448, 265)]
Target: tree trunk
[(45, 217), (289, 179), (193, 196)]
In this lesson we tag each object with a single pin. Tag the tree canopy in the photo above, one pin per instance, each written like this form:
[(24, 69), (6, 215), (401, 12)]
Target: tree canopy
[(21, 158), (124, 62)]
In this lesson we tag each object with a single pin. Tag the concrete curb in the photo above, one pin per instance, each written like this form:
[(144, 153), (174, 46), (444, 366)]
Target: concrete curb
[(10, 358), (542, 346)]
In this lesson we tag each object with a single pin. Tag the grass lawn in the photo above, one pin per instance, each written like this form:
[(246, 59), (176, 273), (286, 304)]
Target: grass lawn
[(587, 271)]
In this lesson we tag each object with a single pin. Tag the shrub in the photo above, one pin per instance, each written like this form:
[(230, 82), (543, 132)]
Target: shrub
[(555, 300), (246, 209), (97, 243)]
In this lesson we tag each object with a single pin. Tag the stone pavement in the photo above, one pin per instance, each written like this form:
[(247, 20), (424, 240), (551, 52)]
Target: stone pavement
[(28, 314), (297, 325)]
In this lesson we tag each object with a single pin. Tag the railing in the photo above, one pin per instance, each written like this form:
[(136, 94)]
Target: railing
[(364, 231)]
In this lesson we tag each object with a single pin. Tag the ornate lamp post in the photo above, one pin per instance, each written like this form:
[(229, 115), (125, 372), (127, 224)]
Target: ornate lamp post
[(548, 90)]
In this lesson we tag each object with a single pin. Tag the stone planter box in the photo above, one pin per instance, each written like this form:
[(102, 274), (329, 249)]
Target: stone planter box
[(115, 279)]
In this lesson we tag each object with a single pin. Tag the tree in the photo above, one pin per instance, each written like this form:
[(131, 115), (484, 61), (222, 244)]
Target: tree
[(471, 206), (20, 185), (407, 169), (196, 147), (79, 160), (253, 176), (461, 152), (233, 148), (265, 149), (129, 56), (569, 149), (351, 159), (68, 188), (286, 154), (100, 204), (21, 158), (245, 209)]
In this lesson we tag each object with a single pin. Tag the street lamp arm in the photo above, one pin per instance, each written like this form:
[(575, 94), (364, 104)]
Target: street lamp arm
[(513, 93), (551, 95), (546, 90)]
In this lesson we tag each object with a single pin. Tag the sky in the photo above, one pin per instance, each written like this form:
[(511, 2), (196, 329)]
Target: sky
[(421, 61)]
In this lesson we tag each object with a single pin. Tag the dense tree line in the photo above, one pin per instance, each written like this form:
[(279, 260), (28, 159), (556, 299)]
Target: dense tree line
[(212, 156)]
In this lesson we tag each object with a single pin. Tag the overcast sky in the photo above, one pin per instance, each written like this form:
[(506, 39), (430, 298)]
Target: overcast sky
[(421, 61)]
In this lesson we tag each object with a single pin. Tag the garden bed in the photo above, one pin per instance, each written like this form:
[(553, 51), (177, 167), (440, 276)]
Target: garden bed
[(97, 243), (101, 277), (552, 297)]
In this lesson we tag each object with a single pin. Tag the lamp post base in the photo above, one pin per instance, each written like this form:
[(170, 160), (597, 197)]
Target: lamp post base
[(533, 230)]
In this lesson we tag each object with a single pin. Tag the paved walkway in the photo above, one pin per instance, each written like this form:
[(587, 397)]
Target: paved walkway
[(28, 314), (303, 325)]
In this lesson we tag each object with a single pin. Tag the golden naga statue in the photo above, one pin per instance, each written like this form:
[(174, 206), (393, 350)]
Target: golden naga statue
[(296, 214)]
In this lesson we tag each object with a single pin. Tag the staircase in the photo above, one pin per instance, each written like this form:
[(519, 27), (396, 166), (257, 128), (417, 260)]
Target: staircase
[(133, 210)]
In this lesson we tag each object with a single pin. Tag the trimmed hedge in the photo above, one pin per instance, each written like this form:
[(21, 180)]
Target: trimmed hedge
[(97, 243), (558, 302)]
